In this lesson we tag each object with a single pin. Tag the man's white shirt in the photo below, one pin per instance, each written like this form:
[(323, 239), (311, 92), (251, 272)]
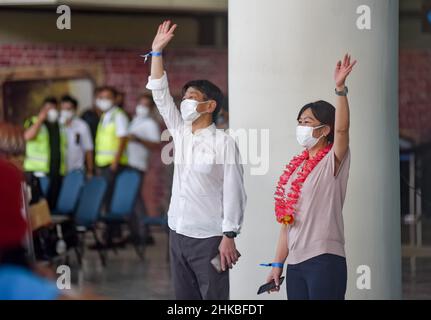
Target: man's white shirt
[(145, 128), (79, 141), (208, 196)]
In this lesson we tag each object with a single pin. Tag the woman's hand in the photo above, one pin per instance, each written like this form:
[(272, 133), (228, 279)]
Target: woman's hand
[(275, 275), (342, 70), (164, 34)]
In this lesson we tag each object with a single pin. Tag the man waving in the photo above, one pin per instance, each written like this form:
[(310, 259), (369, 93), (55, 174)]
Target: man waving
[(208, 197)]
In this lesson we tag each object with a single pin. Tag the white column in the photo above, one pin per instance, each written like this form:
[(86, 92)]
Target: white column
[(282, 55)]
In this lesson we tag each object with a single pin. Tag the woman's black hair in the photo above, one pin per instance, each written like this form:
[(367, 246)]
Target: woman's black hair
[(324, 112), (210, 91)]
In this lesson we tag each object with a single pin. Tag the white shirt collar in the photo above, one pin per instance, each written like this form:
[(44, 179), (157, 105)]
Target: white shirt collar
[(204, 132)]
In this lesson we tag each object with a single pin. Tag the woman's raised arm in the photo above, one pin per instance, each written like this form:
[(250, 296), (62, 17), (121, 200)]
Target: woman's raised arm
[(342, 114)]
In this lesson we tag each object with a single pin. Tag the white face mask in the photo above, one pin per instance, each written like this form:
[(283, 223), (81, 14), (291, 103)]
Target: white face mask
[(304, 136), (188, 109), (104, 104), (66, 115), (52, 115), (142, 111)]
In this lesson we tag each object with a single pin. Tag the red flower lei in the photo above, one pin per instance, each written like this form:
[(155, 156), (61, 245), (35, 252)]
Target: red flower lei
[(285, 204)]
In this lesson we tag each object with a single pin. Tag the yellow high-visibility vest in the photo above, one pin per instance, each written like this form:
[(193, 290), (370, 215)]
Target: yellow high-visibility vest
[(107, 142), (38, 150)]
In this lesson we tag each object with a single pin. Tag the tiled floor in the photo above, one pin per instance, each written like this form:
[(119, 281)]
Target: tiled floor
[(417, 285), (128, 277)]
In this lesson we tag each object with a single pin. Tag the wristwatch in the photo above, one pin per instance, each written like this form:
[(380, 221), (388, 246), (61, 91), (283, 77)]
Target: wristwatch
[(230, 234), (342, 93)]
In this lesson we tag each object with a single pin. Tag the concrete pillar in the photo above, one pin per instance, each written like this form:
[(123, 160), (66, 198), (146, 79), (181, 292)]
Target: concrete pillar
[(282, 54)]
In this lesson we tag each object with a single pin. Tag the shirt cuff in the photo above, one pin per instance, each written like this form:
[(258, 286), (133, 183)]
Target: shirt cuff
[(158, 84), (229, 226)]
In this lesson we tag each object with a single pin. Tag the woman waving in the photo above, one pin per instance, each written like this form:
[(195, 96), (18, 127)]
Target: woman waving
[(309, 199)]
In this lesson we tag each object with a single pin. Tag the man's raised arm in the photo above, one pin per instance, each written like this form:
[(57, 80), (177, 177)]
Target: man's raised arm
[(158, 81)]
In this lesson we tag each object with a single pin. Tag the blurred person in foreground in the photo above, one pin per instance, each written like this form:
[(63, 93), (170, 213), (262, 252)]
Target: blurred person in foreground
[(20, 278), (46, 148)]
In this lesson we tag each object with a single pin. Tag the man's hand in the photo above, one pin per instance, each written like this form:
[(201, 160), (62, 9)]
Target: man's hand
[(342, 70), (164, 34), (114, 166), (43, 113), (132, 137), (228, 253)]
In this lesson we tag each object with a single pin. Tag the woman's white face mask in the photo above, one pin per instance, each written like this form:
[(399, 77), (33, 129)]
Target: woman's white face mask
[(304, 136), (188, 109)]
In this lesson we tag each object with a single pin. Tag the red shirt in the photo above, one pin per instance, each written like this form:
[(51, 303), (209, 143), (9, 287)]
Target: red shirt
[(12, 223)]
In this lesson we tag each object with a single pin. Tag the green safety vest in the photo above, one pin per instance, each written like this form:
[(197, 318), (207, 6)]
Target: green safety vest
[(107, 142), (38, 150)]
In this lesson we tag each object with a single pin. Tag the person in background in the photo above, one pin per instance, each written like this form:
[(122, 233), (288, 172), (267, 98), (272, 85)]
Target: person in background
[(111, 138), (222, 121), (144, 136), (92, 116), (20, 278), (119, 101), (46, 148), (80, 143)]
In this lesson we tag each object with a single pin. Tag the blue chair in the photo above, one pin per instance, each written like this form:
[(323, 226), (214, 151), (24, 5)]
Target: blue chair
[(127, 185), (126, 188), (155, 221), (69, 193), (90, 202), (88, 211), (44, 185)]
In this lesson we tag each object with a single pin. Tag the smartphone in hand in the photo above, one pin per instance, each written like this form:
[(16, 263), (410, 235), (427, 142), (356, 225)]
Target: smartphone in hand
[(269, 286), (216, 262)]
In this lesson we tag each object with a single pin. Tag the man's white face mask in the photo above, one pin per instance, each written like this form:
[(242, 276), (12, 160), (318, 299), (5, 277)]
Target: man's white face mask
[(104, 104), (66, 115), (304, 136), (142, 111), (188, 109), (52, 115)]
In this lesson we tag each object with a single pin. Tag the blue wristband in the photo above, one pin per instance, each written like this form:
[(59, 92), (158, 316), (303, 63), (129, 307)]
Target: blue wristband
[(151, 53), (156, 54), (273, 264)]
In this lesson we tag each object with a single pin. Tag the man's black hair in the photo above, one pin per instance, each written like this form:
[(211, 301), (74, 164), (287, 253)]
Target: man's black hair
[(210, 91), (50, 99), (108, 88), (70, 99)]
